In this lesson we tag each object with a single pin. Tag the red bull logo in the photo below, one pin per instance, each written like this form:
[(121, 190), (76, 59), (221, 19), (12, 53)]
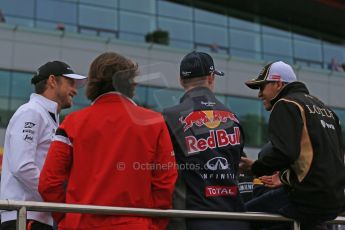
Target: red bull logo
[(217, 138), (209, 118)]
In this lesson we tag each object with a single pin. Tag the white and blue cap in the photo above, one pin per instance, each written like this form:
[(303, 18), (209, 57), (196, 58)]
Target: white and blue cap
[(275, 71)]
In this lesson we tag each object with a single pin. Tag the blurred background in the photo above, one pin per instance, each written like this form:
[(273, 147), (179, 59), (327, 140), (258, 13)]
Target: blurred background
[(242, 36)]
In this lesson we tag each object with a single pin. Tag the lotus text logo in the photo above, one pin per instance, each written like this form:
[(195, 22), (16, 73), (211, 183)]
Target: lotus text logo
[(217, 163)]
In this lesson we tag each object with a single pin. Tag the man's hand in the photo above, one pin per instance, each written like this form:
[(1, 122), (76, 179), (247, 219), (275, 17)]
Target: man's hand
[(245, 164), (272, 181)]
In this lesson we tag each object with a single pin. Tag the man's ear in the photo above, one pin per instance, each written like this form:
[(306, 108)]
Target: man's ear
[(280, 85), (210, 79), (52, 81), (181, 82)]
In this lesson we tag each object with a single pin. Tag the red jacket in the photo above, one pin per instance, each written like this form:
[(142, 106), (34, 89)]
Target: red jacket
[(112, 153)]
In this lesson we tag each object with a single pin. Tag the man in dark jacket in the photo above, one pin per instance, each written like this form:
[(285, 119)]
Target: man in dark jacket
[(208, 140), (306, 150)]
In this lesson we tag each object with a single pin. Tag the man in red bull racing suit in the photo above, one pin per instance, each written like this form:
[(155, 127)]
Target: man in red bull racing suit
[(208, 140)]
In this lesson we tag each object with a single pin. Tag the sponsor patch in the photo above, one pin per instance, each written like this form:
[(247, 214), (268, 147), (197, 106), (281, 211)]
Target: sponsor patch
[(28, 137), (217, 138), (245, 187), (326, 125), (215, 175), (217, 163), (324, 112), (209, 118), (28, 132), (208, 103), (211, 191), (275, 77), (29, 125)]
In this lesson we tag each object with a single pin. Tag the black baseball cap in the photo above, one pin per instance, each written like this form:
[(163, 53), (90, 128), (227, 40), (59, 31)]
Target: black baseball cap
[(56, 68), (197, 64)]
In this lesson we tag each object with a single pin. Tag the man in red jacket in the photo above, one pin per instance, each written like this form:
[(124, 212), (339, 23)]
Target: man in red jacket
[(112, 153)]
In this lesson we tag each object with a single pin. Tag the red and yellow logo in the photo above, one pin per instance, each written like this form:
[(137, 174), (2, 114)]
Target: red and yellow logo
[(210, 118)]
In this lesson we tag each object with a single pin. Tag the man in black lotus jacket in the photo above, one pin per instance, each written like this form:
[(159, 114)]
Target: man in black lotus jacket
[(306, 150), (208, 140)]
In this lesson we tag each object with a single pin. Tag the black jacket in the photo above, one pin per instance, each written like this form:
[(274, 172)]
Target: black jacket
[(307, 149), (208, 141)]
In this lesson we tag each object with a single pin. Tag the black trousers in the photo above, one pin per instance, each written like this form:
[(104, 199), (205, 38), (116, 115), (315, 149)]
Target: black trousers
[(212, 224), (30, 225), (277, 201)]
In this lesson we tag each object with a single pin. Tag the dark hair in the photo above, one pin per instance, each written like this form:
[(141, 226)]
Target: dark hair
[(193, 82), (111, 72), (41, 86)]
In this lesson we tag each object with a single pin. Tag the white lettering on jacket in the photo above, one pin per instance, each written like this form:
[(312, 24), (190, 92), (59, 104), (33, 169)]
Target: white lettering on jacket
[(217, 138)]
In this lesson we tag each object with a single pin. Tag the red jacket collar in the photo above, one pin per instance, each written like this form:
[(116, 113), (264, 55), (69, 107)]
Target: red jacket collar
[(112, 96)]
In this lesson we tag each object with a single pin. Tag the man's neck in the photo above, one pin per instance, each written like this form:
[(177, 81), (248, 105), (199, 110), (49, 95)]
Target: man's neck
[(197, 86)]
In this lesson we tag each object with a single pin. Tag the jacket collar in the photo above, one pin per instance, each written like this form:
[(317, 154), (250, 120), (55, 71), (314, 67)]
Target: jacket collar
[(293, 87), (196, 92), (112, 96), (47, 104)]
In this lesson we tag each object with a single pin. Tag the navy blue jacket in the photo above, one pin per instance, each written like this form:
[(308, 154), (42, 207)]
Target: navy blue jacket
[(208, 141)]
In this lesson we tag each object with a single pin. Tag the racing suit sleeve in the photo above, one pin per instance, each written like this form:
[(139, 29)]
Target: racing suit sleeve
[(163, 177), (285, 128), (25, 134), (55, 171)]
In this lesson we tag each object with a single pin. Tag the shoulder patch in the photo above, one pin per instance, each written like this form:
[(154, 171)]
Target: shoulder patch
[(28, 131), (29, 124)]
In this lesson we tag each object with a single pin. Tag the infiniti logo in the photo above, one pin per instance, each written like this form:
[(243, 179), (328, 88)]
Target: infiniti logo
[(217, 163)]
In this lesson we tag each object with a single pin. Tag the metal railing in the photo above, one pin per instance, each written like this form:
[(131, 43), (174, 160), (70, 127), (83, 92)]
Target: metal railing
[(23, 206)]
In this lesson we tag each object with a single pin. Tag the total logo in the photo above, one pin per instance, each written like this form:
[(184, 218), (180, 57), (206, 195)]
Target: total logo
[(209, 118), (221, 191), (216, 138), (217, 163)]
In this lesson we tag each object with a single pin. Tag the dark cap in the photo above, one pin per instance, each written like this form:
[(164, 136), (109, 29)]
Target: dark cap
[(56, 68), (197, 64), (275, 71)]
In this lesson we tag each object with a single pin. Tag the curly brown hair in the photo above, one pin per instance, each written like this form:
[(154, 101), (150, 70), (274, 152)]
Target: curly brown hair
[(111, 72)]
